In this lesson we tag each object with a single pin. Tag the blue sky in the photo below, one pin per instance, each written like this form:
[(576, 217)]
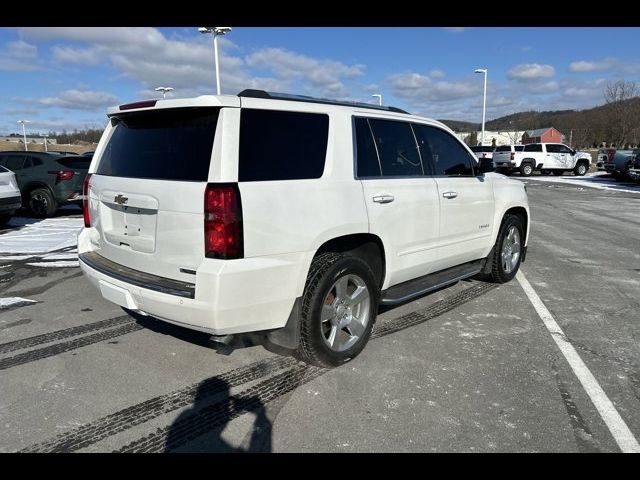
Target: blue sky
[(64, 78)]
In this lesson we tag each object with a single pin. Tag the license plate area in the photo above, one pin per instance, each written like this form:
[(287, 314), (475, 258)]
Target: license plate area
[(129, 226)]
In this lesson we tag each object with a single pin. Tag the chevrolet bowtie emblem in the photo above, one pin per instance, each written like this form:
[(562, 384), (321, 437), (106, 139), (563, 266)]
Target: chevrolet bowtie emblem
[(121, 200)]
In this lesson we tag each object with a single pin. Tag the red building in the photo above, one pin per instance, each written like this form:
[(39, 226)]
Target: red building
[(542, 135)]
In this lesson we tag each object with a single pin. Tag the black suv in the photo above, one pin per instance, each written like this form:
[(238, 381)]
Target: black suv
[(47, 181)]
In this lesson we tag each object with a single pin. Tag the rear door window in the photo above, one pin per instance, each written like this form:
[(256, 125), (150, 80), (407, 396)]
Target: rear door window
[(15, 162), (397, 148), (443, 152), (533, 147), (168, 144), (553, 148), (281, 145), (366, 154)]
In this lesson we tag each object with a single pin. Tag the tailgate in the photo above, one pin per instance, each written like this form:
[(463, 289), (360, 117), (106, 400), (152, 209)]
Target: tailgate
[(147, 195)]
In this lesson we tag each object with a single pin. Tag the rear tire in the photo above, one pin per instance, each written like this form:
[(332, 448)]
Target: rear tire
[(42, 203), (339, 308), (526, 169), (580, 170), (504, 262)]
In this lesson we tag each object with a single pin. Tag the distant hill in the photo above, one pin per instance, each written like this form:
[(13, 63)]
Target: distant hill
[(586, 127), (459, 126)]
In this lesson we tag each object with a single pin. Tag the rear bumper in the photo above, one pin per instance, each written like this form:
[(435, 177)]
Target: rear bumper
[(227, 297), (10, 204)]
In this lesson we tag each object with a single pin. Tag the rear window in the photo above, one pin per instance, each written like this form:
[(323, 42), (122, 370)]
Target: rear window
[(279, 145), (503, 148), (171, 144), (81, 163), (533, 147), (519, 148)]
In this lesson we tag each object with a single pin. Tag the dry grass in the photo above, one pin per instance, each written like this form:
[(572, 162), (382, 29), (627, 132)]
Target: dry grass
[(34, 147)]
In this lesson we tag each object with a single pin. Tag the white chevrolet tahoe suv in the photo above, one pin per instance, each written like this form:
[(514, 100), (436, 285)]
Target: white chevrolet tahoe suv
[(553, 158), (289, 216)]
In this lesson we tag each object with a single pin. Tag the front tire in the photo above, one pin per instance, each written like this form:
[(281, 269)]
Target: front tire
[(339, 308), (507, 254)]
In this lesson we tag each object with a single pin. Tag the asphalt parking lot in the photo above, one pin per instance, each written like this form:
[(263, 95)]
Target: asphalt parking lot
[(470, 368)]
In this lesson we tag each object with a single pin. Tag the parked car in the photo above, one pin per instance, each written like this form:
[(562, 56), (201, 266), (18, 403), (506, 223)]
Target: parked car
[(10, 199), (605, 155), (503, 156), (632, 170), (483, 151), (553, 158), (289, 216), (47, 181), (620, 163)]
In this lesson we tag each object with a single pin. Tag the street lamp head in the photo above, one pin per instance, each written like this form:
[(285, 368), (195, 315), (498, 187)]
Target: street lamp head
[(480, 70), (23, 121), (222, 30), (164, 89), (205, 29)]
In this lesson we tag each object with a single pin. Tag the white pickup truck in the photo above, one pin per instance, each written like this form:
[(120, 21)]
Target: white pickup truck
[(553, 158)]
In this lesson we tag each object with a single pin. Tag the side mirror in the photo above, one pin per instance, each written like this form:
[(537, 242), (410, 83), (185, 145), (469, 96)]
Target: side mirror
[(486, 165)]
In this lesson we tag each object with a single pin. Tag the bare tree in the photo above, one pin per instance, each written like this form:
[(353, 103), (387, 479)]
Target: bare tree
[(623, 112)]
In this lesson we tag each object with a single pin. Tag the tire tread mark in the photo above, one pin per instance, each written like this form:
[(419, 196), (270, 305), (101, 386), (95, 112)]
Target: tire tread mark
[(62, 334), (129, 417), (58, 348), (219, 413)]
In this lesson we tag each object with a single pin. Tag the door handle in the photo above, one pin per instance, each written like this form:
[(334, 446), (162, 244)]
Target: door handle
[(450, 194), (383, 198)]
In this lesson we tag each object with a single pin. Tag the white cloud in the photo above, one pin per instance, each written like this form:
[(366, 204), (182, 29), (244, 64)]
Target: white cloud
[(324, 76), (611, 64), (80, 100), (19, 56), (21, 49), (530, 71), (83, 56), (419, 88), (435, 73)]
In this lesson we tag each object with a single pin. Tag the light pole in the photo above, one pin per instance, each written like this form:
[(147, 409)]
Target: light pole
[(379, 98), (24, 134), (216, 31), (484, 100), (164, 91), (45, 143)]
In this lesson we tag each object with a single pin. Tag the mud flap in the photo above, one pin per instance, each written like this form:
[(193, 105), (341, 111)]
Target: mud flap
[(287, 337)]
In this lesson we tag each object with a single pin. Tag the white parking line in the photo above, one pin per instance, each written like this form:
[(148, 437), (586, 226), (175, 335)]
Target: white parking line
[(618, 428)]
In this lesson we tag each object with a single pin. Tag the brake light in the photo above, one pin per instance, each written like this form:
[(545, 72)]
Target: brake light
[(513, 155), (85, 200), (610, 156), (62, 175), (223, 222)]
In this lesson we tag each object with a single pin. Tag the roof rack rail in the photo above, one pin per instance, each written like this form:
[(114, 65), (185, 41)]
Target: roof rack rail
[(252, 93)]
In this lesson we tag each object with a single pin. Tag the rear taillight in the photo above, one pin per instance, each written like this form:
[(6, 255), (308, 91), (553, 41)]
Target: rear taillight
[(85, 200), (223, 222), (513, 155), (62, 175), (610, 156)]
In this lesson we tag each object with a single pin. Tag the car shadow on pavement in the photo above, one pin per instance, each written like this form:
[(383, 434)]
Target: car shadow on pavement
[(195, 337)]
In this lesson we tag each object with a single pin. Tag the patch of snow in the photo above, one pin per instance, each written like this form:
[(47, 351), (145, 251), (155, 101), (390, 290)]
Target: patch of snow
[(8, 302), (42, 237), (58, 264), (597, 180)]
